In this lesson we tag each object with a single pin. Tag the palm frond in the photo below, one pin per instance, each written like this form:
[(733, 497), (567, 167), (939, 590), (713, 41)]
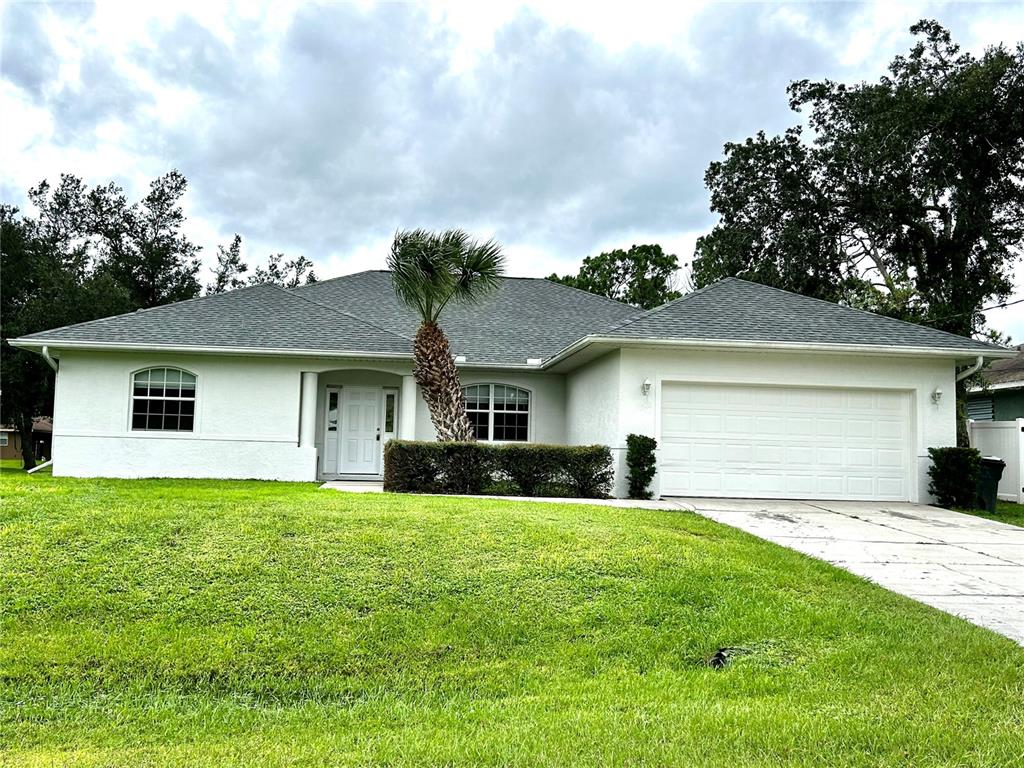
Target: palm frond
[(430, 269)]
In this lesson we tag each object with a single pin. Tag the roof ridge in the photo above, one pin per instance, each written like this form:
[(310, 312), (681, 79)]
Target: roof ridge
[(862, 311), (289, 292), (581, 290), (501, 277), (332, 279), (667, 304), (150, 309)]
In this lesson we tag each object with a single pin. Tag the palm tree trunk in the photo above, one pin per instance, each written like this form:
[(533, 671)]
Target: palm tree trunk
[(435, 372)]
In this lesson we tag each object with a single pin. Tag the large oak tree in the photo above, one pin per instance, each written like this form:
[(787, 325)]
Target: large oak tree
[(904, 196), (87, 253)]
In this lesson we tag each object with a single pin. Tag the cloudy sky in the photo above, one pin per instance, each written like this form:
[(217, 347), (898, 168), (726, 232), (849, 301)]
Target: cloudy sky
[(561, 129)]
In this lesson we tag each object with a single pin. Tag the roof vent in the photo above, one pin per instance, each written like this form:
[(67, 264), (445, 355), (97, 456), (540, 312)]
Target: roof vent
[(460, 358), (534, 360)]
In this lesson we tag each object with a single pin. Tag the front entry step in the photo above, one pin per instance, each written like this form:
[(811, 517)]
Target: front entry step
[(355, 486)]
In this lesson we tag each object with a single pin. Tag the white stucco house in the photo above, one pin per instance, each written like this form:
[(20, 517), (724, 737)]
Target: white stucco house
[(749, 391)]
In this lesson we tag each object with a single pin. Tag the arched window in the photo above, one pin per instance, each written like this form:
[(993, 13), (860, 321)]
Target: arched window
[(163, 399), (498, 411)]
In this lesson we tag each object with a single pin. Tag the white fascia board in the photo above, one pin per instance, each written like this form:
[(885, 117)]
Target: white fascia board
[(995, 387), (36, 345), (781, 346), (751, 346), (106, 346), (501, 366)]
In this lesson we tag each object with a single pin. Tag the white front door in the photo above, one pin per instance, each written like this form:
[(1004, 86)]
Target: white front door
[(360, 431)]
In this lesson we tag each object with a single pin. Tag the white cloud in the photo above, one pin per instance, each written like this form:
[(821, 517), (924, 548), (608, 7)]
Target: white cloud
[(563, 129)]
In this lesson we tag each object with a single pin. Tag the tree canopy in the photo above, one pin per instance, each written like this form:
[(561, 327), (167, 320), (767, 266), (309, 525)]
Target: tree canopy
[(644, 276), (231, 269), (904, 196), (89, 253), (48, 281), (429, 270)]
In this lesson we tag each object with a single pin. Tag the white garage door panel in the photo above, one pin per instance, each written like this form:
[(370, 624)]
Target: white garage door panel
[(784, 442)]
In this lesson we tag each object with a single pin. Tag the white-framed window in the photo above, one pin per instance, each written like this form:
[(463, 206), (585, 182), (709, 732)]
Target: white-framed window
[(3, 439), (163, 400), (498, 411)]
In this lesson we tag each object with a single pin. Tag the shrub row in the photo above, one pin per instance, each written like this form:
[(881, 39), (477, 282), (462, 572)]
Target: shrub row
[(581, 471)]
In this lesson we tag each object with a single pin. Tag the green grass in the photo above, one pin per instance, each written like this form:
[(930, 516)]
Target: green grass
[(1006, 512), (15, 465), (175, 623)]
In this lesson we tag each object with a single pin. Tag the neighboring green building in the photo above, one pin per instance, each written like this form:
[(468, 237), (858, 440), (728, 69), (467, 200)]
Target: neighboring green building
[(1002, 398)]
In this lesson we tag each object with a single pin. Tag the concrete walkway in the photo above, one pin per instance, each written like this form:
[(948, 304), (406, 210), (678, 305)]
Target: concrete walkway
[(964, 565)]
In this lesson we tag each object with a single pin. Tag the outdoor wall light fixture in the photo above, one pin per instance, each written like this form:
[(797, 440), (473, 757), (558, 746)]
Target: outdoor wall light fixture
[(936, 395), (645, 387)]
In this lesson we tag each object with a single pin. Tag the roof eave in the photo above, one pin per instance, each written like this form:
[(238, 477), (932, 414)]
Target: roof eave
[(55, 345), (107, 346), (885, 350), (999, 386)]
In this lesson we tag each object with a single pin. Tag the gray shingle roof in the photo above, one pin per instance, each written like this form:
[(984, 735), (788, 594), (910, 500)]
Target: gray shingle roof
[(738, 310), (1006, 371), (264, 316), (524, 318)]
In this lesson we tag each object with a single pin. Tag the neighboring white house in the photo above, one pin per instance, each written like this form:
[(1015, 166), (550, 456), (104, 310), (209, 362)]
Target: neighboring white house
[(749, 391)]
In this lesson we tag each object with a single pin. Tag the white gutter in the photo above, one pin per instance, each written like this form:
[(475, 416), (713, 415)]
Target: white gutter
[(45, 352), (1005, 385), (973, 369), (783, 346), (576, 346), (197, 349)]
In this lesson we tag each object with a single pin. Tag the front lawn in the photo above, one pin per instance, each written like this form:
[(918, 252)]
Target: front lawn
[(1006, 512), (174, 623)]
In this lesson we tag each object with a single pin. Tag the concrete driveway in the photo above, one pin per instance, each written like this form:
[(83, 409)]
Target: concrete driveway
[(961, 564)]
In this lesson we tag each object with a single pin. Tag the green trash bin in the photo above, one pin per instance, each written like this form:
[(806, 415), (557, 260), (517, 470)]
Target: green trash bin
[(988, 482)]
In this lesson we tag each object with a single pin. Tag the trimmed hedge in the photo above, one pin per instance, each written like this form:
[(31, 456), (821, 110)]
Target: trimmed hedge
[(641, 464), (954, 476), (578, 471)]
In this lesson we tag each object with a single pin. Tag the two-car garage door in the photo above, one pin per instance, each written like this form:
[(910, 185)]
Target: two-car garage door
[(784, 442)]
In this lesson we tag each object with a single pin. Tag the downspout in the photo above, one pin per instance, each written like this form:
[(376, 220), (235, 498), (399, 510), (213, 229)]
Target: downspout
[(959, 377), (963, 429), (45, 352)]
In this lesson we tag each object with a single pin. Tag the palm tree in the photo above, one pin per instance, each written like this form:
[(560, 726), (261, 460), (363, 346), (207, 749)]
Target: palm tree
[(429, 270)]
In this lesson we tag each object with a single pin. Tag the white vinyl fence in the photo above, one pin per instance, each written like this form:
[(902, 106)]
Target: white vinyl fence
[(1004, 439)]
